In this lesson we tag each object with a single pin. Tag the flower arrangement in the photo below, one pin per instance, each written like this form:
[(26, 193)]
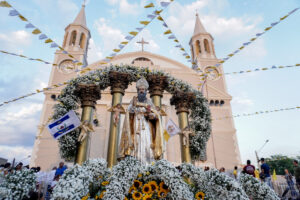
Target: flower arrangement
[(17, 184), (256, 189), (200, 119)]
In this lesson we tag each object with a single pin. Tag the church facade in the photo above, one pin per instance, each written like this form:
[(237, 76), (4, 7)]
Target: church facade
[(222, 147)]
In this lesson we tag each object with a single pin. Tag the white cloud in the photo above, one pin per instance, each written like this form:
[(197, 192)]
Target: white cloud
[(182, 20), (15, 39), (94, 52), (110, 36), (125, 7), (20, 153), (242, 103)]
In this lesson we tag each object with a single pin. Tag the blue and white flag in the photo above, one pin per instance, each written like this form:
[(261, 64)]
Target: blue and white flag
[(64, 125)]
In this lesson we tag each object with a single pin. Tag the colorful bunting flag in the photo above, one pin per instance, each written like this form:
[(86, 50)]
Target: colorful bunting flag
[(5, 4), (150, 5)]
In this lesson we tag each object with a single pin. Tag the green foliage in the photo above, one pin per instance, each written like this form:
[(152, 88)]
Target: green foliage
[(280, 163)]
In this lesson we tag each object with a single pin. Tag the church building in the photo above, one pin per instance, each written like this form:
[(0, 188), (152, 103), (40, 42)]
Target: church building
[(222, 147)]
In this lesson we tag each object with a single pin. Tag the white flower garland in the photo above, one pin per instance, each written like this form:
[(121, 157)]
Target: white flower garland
[(200, 113), (256, 189), (18, 184), (75, 182), (213, 184)]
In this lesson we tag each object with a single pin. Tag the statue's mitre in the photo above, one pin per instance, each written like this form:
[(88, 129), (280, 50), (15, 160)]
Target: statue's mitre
[(142, 83)]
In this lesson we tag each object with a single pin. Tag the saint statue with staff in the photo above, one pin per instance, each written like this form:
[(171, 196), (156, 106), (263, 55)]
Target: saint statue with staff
[(141, 136)]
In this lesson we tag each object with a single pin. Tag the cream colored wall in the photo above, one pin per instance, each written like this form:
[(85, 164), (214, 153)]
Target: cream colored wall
[(222, 147)]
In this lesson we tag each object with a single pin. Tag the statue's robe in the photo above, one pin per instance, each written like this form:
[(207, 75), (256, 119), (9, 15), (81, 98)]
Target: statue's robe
[(141, 136)]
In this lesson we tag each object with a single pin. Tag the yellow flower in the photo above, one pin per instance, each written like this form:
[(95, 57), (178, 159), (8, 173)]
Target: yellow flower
[(153, 163), (199, 196), (105, 183), (131, 188), (140, 175), (147, 197), (125, 198), (137, 183), (148, 173), (153, 185), (102, 194), (163, 187), (137, 195), (147, 189), (85, 197)]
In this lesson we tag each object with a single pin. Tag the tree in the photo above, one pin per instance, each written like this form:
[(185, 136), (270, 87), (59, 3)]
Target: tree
[(280, 163)]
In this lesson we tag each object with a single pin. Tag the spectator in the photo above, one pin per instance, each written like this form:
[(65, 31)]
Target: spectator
[(61, 168), (262, 175), (249, 169), (19, 166), (206, 168), (297, 173), (235, 172), (256, 173), (290, 182), (222, 169), (266, 171)]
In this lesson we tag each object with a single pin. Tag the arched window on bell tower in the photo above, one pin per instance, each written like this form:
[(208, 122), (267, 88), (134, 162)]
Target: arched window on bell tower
[(206, 46), (198, 47), (73, 38), (82, 41)]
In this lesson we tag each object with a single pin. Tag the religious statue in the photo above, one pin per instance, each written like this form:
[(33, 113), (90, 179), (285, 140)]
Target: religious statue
[(141, 136), (186, 133), (117, 109), (86, 127)]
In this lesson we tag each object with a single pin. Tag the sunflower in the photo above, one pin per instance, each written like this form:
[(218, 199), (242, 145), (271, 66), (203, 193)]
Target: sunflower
[(153, 185), (163, 187), (102, 194), (200, 196), (162, 194), (137, 183), (105, 183), (131, 189), (85, 197), (147, 197), (137, 195), (125, 198), (147, 189)]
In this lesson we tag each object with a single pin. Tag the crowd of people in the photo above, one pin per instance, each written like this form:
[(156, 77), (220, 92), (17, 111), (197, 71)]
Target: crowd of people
[(45, 181), (263, 174)]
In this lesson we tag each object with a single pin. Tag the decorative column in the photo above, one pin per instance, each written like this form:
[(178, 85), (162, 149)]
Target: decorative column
[(182, 102), (157, 85), (119, 82), (88, 95)]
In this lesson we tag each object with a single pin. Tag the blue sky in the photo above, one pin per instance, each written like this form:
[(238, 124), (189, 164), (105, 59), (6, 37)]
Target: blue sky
[(230, 22)]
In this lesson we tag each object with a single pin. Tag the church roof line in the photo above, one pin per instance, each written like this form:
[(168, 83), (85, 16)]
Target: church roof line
[(145, 54)]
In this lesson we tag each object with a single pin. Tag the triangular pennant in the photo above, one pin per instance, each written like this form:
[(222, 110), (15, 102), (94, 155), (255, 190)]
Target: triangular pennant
[(36, 31), (13, 12), (22, 18), (48, 40), (150, 5), (116, 50), (168, 32), (124, 42), (160, 18), (164, 4), (134, 33), (29, 25), (5, 4), (128, 37), (145, 22), (53, 45), (151, 16), (139, 29), (42, 36), (165, 25)]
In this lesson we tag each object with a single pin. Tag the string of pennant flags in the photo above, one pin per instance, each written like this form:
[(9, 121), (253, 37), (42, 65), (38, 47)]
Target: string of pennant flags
[(23, 56), (36, 31), (256, 70), (257, 35), (133, 34), (257, 113), (108, 59), (172, 36)]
